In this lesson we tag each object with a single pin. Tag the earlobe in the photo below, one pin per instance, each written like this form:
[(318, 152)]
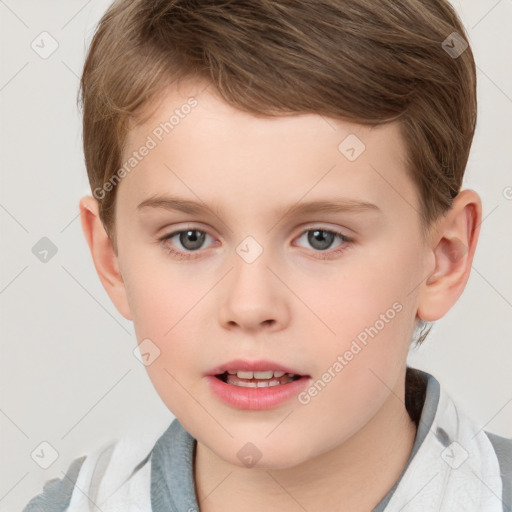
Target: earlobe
[(453, 246), (104, 258)]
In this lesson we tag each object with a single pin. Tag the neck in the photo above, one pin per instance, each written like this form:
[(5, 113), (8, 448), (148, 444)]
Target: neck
[(357, 474)]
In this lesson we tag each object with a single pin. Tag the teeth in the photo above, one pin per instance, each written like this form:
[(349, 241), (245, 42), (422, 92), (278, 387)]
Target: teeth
[(264, 379), (267, 374), (264, 375), (262, 384), (244, 375)]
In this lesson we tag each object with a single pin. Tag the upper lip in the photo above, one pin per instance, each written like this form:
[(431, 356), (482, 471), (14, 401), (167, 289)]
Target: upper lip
[(254, 366)]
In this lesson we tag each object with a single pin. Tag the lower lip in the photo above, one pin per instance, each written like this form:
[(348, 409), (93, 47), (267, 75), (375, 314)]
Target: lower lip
[(256, 398)]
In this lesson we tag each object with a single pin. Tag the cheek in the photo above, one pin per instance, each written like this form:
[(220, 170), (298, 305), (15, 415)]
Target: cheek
[(367, 318), (166, 300), (158, 292), (366, 290), (163, 312)]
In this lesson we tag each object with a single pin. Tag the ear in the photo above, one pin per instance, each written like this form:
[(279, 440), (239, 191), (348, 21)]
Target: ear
[(103, 255), (453, 246)]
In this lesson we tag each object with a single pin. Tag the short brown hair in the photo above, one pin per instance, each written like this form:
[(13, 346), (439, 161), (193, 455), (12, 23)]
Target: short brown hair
[(364, 61)]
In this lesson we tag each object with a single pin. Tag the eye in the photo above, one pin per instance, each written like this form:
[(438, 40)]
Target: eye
[(322, 239), (191, 240)]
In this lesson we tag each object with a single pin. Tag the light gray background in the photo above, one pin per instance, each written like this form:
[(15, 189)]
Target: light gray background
[(68, 374)]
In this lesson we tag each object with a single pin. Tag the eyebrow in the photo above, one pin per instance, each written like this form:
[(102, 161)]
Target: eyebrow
[(174, 203)]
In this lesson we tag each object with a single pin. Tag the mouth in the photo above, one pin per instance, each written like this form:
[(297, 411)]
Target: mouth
[(256, 385), (257, 379)]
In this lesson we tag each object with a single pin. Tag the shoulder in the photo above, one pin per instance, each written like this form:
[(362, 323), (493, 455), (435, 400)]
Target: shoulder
[(96, 475), (57, 492), (503, 448), (448, 436)]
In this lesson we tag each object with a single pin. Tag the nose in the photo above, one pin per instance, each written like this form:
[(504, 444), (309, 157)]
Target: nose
[(254, 297)]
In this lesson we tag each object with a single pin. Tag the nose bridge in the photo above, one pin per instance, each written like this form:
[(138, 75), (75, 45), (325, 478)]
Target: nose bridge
[(250, 250), (251, 272)]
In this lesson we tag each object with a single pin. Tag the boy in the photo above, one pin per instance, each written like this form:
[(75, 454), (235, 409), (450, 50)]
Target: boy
[(221, 140)]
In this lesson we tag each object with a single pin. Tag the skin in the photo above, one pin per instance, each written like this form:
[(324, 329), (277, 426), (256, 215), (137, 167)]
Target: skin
[(289, 305)]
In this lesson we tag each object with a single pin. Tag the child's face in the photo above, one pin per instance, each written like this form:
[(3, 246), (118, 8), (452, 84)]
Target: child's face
[(294, 304)]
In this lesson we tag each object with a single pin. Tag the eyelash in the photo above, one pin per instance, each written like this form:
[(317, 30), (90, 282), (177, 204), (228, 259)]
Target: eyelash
[(323, 255)]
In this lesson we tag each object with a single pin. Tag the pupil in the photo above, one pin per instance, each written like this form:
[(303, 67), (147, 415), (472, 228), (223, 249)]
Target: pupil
[(191, 236), (318, 241)]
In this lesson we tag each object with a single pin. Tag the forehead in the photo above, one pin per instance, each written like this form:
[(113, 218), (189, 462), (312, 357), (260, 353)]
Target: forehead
[(201, 145)]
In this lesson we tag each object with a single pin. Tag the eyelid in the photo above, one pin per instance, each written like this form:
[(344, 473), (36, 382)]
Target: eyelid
[(325, 226), (186, 227)]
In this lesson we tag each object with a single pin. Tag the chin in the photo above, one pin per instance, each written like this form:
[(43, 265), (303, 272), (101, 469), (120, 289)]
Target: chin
[(264, 455), (268, 463)]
